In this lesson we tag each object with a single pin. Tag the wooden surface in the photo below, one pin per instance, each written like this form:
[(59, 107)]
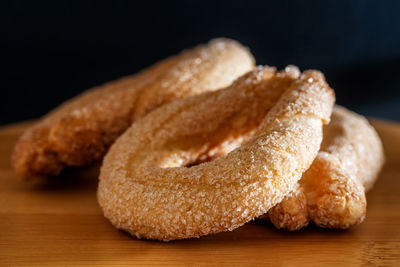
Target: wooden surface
[(60, 223)]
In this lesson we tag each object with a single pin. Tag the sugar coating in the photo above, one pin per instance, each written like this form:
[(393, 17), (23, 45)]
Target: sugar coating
[(272, 119), (332, 192), (81, 130)]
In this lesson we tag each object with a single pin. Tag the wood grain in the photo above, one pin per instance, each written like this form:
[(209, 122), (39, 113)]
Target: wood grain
[(59, 223)]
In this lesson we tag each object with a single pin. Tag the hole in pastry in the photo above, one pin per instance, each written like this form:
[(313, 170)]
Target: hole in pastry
[(220, 150)]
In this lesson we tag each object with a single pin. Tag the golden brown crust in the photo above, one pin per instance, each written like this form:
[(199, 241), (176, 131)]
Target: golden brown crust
[(146, 189), (81, 130), (348, 163), (291, 213)]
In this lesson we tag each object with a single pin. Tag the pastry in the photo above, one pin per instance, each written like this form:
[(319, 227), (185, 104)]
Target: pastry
[(164, 178), (332, 192), (80, 131)]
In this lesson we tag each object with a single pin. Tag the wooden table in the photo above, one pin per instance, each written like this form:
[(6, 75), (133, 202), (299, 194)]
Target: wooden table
[(60, 223)]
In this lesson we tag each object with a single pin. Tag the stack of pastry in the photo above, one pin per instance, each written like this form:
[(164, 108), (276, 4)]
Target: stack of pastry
[(204, 141)]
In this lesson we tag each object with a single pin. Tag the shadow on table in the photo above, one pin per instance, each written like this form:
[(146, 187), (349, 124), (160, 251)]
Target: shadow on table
[(85, 178)]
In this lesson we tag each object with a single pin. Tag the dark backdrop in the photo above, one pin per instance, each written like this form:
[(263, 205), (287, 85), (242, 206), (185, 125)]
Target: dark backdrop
[(52, 50)]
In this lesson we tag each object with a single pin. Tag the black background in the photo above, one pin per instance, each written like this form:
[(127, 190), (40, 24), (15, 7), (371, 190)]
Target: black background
[(52, 50)]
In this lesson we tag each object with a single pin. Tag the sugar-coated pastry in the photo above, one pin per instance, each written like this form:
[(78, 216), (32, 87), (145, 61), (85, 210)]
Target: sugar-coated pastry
[(163, 178), (81, 130), (332, 192)]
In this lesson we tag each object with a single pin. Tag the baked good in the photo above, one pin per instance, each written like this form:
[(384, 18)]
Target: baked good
[(80, 131), (163, 178), (332, 192)]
